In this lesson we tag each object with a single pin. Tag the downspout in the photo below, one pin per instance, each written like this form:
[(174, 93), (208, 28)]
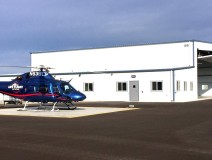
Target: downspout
[(173, 85)]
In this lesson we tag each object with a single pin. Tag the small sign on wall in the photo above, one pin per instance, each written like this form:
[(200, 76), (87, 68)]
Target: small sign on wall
[(133, 76)]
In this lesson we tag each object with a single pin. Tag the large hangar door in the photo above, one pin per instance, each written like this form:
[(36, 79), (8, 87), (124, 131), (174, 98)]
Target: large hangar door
[(204, 73), (134, 90)]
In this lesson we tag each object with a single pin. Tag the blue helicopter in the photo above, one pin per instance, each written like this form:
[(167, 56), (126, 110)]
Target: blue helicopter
[(41, 86)]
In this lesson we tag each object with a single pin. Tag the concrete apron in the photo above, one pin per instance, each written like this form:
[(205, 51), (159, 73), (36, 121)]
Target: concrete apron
[(46, 112)]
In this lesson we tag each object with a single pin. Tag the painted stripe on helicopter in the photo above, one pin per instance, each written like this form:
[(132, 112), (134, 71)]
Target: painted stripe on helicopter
[(28, 95), (62, 99)]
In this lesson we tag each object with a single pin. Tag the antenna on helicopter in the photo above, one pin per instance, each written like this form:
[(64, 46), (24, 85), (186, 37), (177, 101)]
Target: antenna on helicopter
[(70, 80)]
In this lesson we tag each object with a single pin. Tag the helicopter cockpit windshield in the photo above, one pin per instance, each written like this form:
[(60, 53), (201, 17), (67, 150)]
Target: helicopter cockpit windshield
[(67, 88)]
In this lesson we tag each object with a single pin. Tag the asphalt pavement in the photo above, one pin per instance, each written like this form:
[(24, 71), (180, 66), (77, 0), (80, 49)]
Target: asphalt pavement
[(154, 131)]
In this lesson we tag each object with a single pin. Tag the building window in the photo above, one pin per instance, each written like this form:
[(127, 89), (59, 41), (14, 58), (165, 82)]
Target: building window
[(204, 87), (185, 86), (191, 86), (88, 87), (157, 86), (121, 86), (178, 85)]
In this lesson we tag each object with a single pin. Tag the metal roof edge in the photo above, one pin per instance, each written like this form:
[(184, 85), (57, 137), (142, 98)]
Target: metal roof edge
[(124, 71), (116, 46), (111, 72)]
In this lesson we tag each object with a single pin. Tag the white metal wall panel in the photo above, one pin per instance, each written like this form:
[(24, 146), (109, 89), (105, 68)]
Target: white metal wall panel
[(157, 56), (105, 88), (187, 76)]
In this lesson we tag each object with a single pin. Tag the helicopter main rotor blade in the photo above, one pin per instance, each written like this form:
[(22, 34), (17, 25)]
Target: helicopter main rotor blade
[(41, 67), (15, 66), (36, 67)]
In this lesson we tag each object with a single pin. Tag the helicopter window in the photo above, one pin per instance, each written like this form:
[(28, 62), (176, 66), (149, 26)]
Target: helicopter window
[(27, 76), (32, 89), (66, 88), (19, 78), (43, 89), (55, 89)]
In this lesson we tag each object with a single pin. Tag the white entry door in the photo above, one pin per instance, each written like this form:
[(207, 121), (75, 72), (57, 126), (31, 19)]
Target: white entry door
[(134, 90)]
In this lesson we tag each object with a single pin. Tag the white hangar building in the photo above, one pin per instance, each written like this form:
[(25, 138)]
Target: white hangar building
[(163, 72)]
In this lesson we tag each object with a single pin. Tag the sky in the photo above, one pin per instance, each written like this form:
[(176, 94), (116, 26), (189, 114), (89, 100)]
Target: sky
[(50, 25)]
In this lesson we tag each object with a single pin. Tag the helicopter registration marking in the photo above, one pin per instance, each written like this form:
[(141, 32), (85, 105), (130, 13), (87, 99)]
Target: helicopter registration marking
[(34, 74)]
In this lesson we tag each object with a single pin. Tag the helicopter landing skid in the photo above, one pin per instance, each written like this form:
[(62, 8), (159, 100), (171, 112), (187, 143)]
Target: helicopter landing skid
[(25, 105), (53, 108), (72, 107)]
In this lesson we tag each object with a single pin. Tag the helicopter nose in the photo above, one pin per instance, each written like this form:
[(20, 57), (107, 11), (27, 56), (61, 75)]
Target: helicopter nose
[(78, 96)]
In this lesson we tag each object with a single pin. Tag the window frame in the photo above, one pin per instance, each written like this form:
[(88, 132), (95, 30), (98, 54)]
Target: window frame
[(191, 86), (122, 89), (185, 86), (155, 87), (178, 86), (89, 88)]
